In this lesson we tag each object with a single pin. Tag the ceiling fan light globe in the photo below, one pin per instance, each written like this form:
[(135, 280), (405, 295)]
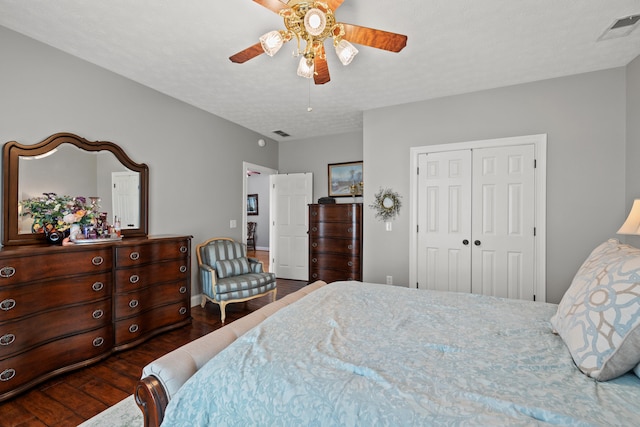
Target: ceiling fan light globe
[(346, 52), (271, 42), (305, 68), (315, 21)]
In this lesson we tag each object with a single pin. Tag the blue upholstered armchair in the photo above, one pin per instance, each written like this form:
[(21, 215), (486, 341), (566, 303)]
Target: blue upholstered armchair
[(227, 275)]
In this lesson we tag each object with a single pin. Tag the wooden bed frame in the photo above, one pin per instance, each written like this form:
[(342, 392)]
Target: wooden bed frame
[(162, 378)]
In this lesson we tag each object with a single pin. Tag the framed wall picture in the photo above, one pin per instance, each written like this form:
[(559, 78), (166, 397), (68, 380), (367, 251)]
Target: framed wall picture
[(345, 179), (252, 204)]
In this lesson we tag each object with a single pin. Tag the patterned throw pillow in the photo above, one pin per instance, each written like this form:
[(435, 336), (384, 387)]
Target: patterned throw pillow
[(232, 267), (599, 315)]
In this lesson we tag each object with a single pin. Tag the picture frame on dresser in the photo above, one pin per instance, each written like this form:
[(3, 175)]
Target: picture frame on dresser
[(345, 179)]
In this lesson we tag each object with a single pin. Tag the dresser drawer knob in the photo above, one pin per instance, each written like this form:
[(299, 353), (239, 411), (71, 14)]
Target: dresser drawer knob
[(183, 310), (97, 260), (314, 244), (314, 228), (314, 213), (134, 278), (314, 260), (183, 289), (134, 256), (349, 246), (349, 229), (314, 275), (350, 264), (7, 304), (97, 342), (183, 269), (6, 272), (98, 286), (98, 314), (133, 328), (7, 374), (184, 249), (7, 339), (133, 303)]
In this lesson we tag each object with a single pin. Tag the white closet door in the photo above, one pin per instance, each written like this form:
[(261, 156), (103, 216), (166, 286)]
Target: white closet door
[(444, 228), (503, 256)]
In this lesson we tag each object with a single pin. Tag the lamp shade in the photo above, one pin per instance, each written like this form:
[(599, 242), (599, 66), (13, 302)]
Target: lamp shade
[(632, 224), (346, 52), (271, 42), (305, 68)]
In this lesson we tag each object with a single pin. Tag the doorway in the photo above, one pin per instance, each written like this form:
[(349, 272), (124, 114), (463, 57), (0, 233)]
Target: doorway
[(253, 173)]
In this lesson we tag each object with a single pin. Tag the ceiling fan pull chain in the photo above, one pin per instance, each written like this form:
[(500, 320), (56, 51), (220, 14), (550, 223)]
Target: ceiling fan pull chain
[(309, 108)]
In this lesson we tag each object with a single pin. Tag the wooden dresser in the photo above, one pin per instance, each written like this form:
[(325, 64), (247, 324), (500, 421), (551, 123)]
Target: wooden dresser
[(335, 242), (62, 308)]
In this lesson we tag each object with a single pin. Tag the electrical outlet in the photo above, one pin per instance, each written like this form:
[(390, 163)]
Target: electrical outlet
[(233, 223), (389, 280)]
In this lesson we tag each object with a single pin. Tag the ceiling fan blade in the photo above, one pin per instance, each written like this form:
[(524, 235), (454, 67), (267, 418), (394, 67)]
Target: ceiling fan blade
[(375, 38), (273, 5), (320, 69), (247, 54), (334, 4)]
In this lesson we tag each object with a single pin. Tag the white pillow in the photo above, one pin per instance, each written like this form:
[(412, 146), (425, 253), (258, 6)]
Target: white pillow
[(598, 317)]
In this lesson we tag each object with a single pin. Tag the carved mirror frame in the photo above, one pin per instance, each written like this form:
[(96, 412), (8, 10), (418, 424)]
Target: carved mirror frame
[(10, 168)]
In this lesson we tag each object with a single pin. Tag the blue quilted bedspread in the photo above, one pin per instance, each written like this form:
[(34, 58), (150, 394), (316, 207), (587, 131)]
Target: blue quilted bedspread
[(360, 354)]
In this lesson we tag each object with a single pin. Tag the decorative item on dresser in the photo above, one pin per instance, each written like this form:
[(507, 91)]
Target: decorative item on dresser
[(64, 307), (335, 242)]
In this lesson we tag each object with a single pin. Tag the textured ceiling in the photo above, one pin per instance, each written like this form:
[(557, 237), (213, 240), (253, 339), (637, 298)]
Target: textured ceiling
[(181, 48)]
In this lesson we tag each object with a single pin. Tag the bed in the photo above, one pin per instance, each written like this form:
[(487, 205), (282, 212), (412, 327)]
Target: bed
[(364, 354)]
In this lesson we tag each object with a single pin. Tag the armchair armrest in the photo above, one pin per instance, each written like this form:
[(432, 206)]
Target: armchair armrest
[(255, 265)]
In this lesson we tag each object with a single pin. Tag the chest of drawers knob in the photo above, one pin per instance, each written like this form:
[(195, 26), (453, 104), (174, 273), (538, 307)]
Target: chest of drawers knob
[(7, 339), (134, 256), (98, 314), (133, 303), (183, 289), (133, 328), (183, 269), (97, 286), (183, 310), (7, 374), (98, 260), (97, 342), (6, 272), (183, 249), (7, 304), (134, 278)]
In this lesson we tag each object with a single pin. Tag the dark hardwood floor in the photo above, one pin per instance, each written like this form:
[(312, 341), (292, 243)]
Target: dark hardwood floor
[(74, 397)]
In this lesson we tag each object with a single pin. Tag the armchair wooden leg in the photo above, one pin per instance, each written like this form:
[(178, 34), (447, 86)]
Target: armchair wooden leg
[(223, 313)]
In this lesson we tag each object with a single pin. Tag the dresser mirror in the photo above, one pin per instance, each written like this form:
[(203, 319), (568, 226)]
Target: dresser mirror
[(67, 164)]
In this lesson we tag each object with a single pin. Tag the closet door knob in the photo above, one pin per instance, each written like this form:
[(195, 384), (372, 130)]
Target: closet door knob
[(465, 242), (477, 242)]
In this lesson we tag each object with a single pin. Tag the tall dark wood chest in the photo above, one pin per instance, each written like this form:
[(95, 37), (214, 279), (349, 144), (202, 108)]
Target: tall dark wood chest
[(335, 242)]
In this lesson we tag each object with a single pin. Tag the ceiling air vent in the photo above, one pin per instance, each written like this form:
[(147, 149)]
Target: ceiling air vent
[(281, 133), (621, 27)]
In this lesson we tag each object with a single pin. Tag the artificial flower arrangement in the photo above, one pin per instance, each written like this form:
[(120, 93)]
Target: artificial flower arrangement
[(58, 212)]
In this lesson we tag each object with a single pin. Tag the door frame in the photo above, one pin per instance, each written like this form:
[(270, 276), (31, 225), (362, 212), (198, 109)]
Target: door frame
[(539, 142), (246, 167)]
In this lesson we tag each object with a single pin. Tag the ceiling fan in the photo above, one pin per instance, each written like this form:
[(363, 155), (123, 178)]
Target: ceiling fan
[(313, 22)]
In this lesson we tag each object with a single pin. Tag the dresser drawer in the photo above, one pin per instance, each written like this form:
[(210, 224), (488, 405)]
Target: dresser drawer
[(335, 262), (334, 229), (127, 256), (131, 279), (335, 213), (132, 303), (17, 301), (342, 246), (22, 334), (23, 370), (46, 266), (152, 321), (332, 275)]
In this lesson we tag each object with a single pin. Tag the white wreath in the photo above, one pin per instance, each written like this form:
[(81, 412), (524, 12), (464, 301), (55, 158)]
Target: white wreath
[(387, 204)]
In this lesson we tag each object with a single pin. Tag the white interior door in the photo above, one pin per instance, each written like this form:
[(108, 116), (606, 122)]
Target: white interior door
[(504, 222), (444, 200), (125, 196), (289, 241)]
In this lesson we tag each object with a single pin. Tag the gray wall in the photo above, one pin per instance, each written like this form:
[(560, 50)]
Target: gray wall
[(584, 118), (633, 141), (195, 158), (314, 154)]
